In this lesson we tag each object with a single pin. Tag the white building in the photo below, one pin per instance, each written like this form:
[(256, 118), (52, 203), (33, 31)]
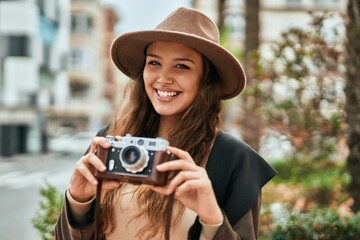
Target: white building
[(89, 102), (276, 16), (34, 41)]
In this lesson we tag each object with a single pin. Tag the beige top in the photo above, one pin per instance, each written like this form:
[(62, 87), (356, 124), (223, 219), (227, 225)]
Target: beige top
[(127, 227)]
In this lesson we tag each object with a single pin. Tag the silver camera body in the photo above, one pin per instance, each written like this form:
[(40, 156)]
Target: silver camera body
[(134, 159)]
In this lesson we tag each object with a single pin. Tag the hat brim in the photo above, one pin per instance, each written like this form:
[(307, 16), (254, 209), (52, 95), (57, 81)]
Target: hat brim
[(127, 53)]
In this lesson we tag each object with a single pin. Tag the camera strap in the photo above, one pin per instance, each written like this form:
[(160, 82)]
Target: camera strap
[(97, 211), (168, 216), (97, 208)]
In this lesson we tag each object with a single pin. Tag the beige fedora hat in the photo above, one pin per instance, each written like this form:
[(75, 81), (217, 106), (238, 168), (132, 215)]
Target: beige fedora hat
[(191, 28)]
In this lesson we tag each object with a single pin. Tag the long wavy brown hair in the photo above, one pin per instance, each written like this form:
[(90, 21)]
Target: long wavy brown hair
[(194, 133)]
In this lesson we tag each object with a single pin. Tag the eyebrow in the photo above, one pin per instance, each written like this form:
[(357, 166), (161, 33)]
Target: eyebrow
[(176, 59)]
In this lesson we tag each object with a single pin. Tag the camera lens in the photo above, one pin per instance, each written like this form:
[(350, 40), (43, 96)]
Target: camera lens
[(134, 159), (131, 155)]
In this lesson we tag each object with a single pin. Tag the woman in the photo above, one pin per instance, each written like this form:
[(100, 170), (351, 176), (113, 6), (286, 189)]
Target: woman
[(180, 75)]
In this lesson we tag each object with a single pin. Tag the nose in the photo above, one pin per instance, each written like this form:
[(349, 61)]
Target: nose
[(165, 80), (165, 77)]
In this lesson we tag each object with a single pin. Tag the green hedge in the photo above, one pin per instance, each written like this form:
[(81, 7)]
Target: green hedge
[(317, 224)]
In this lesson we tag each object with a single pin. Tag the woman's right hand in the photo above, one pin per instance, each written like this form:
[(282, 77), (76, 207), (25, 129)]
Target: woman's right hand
[(83, 182)]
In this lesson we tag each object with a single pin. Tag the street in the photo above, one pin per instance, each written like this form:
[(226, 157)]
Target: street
[(21, 178)]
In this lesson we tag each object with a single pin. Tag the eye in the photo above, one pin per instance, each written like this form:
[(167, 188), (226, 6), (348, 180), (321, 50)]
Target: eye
[(182, 66), (153, 63)]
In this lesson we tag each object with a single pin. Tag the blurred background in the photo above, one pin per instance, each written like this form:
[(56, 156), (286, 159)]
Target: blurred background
[(300, 109)]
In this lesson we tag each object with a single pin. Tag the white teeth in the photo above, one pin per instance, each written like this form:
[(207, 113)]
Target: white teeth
[(165, 94)]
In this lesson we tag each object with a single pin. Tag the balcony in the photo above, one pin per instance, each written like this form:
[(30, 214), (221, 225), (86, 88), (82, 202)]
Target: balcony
[(20, 81), (18, 17)]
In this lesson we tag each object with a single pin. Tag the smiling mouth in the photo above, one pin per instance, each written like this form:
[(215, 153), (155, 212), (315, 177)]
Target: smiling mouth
[(167, 94)]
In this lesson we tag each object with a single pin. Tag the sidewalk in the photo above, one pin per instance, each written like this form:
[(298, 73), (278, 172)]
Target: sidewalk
[(23, 164), (25, 156), (38, 157)]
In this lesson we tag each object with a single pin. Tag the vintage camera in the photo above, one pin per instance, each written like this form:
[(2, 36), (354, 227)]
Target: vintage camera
[(134, 159)]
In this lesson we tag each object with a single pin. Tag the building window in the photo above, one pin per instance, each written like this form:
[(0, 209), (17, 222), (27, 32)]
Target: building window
[(82, 23), (41, 4), (325, 2), (293, 2), (75, 59), (3, 46), (18, 46), (81, 59), (47, 57), (79, 90)]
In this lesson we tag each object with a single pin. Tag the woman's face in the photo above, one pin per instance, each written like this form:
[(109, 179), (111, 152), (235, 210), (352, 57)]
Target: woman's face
[(172, 76)]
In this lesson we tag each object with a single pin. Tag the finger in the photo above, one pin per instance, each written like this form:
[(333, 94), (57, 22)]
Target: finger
[(99, 141), (86, 165), (176, 165), (110, 184), (91, 160), (159, 189), (180, 179), (188, 186), (180, 154), (82, 170)]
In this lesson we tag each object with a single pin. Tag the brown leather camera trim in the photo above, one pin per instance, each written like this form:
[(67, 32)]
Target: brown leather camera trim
[(155, 178)]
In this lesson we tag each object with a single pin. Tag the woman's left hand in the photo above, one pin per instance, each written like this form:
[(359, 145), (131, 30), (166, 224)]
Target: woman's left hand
[(191, 186)]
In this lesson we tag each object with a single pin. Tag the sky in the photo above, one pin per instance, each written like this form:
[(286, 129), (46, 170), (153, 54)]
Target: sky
[(143, 14)]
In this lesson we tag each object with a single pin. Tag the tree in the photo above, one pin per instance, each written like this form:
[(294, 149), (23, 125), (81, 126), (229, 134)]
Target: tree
[(251, 124), (221, 7), (300, 87), (252, 27), (352, 91)]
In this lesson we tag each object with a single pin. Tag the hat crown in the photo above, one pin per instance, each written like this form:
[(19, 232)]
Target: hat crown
[(182, 20)]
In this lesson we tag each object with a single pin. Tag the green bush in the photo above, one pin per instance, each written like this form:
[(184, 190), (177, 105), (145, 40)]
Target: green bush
[(49, 211), (318, 224), (323, 187), (320, 182), (291, 171)]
